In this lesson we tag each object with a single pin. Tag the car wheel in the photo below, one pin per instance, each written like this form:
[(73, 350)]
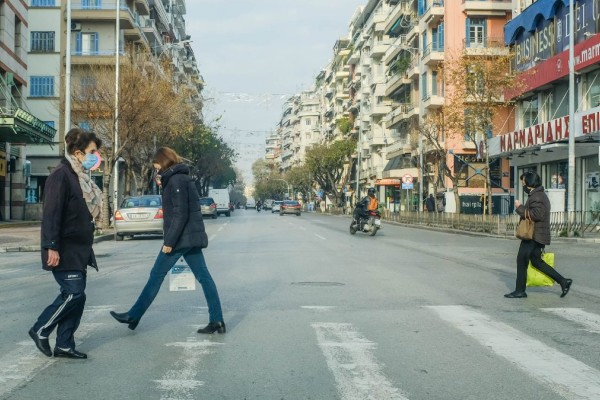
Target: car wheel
[(228, 214), (214, 216), (281, 214), (297, 215), (118, 238)]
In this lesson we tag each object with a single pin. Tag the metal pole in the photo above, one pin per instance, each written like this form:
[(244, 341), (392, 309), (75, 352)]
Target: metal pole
[(572, 124), (67, 75), (116, 129), (421, 178), (356, 195)]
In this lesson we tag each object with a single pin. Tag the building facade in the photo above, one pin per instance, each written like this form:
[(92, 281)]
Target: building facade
[(539, 36)]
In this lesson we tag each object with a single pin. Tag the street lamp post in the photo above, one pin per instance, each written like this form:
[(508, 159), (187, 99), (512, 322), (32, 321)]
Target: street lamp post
[(68, 74), (116, 127), (572, 124)]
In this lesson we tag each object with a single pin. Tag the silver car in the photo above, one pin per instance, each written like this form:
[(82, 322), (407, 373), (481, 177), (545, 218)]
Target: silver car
[(276, 206), (208, 207), (139, 215)]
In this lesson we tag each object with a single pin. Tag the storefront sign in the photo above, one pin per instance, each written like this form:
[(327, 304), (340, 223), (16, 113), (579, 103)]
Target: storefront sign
[(587, 122), (387, 182)]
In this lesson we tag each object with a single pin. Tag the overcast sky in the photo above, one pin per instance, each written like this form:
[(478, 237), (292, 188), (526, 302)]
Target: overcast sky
[(254, 54)]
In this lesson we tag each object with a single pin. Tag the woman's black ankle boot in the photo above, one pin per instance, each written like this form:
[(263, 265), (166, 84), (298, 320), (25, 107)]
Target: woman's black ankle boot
[(213, 327)]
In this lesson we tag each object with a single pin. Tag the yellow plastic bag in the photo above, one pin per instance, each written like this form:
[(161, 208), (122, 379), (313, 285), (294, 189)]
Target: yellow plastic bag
[(537, 278)]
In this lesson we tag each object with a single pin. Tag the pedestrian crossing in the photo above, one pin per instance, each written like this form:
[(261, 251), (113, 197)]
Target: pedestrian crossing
[(350, 355)]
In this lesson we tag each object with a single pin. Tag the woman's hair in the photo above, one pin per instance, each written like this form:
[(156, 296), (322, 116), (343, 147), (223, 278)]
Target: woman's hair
[(78, 139), (166, 157), (531, 179)]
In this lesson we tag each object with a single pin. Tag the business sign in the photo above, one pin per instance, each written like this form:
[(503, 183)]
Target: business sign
[(586, 123)]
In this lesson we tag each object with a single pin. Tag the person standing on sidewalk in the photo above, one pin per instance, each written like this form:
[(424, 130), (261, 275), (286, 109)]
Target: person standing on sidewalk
[(72, 202), (538, 207), (184, 236)]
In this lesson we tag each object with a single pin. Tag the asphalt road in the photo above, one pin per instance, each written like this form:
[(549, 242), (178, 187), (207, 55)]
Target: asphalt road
[(315, 313)]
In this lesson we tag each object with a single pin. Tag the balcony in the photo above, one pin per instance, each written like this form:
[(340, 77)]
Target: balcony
[(491, 46), (134, 34), (381, 109), (103, 13), (152, 34), (489, 7), (106, 57), (395, 82), (433, 54), (432, 101), (342, 74), (400, 43), (163, 17), (142, 7), (434, 12), (403, 10), (401, 113), (380, 48)]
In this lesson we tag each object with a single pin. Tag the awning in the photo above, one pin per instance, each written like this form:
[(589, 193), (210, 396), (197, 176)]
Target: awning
[(387, 182), (22, 127), (530, 17)]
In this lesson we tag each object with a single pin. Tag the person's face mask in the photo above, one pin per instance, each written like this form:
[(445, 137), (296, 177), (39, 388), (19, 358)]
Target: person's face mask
[(89, 161)]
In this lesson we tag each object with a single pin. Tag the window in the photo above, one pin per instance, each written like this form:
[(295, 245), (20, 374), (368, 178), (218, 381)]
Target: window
[(434, 83), (86, 126), (529, 110), (424, 94), (18, 39), (91, 4), (424, 41), (308, 121), (42, 42), (476, 32), (41, 86), (43, 3), (594, 91), (437, 38), (87, 44)]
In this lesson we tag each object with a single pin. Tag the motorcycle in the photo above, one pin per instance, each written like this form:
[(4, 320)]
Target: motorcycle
[(370, 224), (258, 207)]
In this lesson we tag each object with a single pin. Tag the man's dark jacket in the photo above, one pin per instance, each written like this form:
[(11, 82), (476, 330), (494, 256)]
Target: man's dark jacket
[(67, 224), (183, 224), (538, 207)]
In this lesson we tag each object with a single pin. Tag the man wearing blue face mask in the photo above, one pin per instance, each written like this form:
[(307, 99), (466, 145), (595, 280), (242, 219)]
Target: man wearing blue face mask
[(72, 204)]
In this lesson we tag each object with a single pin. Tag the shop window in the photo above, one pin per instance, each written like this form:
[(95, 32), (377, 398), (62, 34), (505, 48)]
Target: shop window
[(594, 89), (592, 188)]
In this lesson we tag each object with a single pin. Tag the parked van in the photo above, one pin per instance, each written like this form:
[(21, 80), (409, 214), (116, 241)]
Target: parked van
[(221, 198), (250, 203)]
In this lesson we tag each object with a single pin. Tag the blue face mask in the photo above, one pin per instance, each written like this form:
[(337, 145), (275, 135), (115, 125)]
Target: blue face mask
[(90, 160)]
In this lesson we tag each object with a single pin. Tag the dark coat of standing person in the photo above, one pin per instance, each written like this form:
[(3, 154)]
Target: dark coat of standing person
[(72, 204), (537, 207), (430, 203), (184, 236)]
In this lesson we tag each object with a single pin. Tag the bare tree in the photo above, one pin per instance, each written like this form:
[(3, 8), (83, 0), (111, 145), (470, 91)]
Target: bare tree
[(151, 103), (475, 100)]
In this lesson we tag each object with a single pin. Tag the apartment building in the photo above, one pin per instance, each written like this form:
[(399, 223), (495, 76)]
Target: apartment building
[(539, 35), (157, 26), (20, 127)]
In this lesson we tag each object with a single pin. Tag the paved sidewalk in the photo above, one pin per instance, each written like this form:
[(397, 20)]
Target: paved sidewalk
[(20, 236)]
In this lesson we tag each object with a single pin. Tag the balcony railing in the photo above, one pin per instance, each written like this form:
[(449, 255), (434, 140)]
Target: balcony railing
[(431, 48), (488, 42)]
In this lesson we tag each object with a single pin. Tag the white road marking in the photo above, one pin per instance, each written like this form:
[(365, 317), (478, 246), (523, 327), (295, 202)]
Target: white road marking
[(355, 369), (220, 228), (212, 237), (8, 271), (24, 362), (318, 308), (320, 237), (568, 377), (584, 318), (179, 382)]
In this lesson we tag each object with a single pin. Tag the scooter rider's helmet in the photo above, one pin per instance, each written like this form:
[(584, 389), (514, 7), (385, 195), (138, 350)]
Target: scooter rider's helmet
[(371, 191)]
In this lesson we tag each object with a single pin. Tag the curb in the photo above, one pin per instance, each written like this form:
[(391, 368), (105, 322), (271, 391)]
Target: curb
[(35, 248), (20, 224)]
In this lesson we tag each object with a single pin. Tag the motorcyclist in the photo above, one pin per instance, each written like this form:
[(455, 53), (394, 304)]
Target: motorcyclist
[(368, 203), (258, 205)]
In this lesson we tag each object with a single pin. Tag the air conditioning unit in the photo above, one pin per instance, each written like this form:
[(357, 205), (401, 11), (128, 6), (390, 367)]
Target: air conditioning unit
[(75, 26)]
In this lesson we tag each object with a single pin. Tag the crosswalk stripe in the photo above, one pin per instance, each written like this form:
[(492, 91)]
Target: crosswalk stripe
[(355, 369), (577, 315), (563, 374), (25, 361), (180, 382)]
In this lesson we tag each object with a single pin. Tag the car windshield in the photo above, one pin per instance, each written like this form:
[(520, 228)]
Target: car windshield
[(278, 202), (144, 201), (206, 201), (291, 203)]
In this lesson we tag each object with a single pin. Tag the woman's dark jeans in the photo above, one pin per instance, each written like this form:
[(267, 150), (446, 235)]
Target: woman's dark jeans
[(162, 265), (532, 250)]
